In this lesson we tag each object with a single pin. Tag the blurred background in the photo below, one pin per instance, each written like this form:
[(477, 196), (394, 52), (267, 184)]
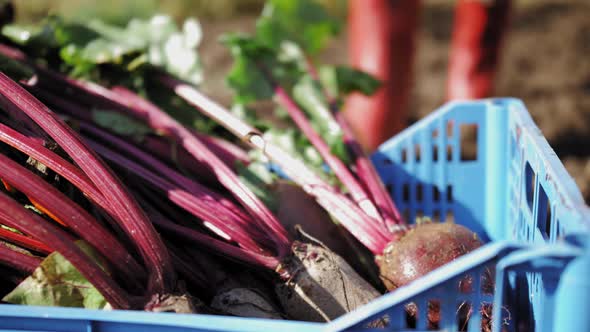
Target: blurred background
[(545, 59)]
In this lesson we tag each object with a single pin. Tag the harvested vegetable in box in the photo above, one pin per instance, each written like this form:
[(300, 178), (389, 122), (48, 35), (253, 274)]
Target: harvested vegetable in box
[(284, 71), (263, 241), (129, 288), (125, 107)]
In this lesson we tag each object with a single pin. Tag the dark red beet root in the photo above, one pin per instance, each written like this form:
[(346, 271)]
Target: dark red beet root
[(423, 249), (321, 285)]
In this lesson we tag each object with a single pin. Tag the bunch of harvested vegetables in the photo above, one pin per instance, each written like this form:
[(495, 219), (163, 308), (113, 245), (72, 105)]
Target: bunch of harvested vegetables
[(196, 188)]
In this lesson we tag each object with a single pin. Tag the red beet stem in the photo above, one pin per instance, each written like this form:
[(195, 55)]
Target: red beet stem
[(364, 167), (372, 235), (133, 219), (369, 177), (39, 228), (346, 212), (229, 153), (50, 159), (168, 150), (336, 165), (215, 246), (157, 145), (18, 260), (24, 241), (68, 171), (201, 206), (162, 122), (80, 221), (217, 201)]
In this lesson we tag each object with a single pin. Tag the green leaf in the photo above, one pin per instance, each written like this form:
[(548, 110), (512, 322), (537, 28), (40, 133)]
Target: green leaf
[(304, 22), (175, 52), (342, 80), (246, 77), (258, 175), (56, 282), (256, 66), (20, 34), (163, 44), (121, 124), (248, 82), (73, 33), (85, 45), (309, 95), (36, 36), (287, 139)]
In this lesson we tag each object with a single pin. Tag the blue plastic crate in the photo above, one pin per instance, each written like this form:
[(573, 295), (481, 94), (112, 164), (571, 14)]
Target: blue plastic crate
[(513, 191)]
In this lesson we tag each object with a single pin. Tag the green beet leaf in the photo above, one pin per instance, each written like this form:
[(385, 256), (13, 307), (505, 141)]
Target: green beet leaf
[(56, 282), (33, 36), (83, 46), (342, 80), (304, 22), (248, 81), (121, 124), (251, 71)]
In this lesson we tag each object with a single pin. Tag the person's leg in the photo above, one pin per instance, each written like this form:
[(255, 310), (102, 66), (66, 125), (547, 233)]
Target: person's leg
[(382, 38), (479, 28)]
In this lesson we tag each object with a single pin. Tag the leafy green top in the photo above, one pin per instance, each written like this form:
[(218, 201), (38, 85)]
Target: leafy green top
[(114, 55), (287, 34), (84, 46), (306, 23)]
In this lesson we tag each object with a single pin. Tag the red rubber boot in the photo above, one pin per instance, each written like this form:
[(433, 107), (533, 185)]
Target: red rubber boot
[(479, 29), (382, 38)]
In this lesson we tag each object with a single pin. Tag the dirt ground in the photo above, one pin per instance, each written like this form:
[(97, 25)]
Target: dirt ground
[(546, 63)]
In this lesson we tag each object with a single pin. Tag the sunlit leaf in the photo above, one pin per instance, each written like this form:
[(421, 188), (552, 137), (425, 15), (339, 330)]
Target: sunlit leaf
[(56, 282)]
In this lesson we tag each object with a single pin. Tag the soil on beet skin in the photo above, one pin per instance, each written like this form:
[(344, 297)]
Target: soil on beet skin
[(321, 285)]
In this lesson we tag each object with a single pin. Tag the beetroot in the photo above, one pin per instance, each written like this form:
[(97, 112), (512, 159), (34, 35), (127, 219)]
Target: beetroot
[(322, 285), (422, 249)]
